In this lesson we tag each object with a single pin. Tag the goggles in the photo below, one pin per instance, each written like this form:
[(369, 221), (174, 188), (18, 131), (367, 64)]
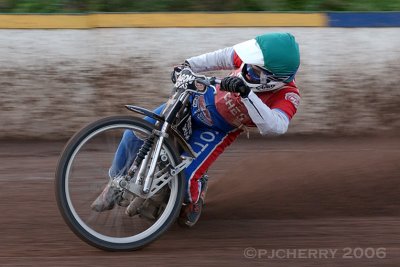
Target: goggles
[(259, 75)]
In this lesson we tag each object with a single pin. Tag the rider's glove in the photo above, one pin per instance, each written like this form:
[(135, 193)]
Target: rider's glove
[(178, 69), (235, 84)]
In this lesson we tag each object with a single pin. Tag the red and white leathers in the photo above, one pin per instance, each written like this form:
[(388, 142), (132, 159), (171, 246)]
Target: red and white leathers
[(269, 111)]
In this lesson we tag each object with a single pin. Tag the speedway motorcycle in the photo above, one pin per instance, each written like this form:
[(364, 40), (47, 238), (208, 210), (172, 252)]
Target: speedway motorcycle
[(154, 182)]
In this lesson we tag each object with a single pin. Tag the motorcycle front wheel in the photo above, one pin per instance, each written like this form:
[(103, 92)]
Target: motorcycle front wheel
[(83, 172)]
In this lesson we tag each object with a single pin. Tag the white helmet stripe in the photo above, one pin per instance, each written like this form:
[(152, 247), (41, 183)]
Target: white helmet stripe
[(250, 52)]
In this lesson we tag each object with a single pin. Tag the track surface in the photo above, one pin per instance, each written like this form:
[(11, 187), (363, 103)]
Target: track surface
[(300, 201)]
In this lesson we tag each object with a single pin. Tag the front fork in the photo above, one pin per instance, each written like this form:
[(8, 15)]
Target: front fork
[(156, 154), (147, 184), (141, 168), (152, 152)]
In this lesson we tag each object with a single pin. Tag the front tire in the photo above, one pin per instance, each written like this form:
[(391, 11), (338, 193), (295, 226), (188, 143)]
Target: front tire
[(82, 173)]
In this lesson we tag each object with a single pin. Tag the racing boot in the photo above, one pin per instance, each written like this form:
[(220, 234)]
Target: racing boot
[(190, 212), (107, 199)]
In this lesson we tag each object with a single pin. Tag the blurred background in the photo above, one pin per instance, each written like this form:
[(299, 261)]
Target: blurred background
[(331, 182), (54, 81)]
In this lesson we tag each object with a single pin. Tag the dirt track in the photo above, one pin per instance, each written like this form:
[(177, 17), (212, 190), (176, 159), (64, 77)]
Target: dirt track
[(301, 195)]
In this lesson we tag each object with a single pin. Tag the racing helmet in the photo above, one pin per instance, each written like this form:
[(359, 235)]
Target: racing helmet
[(269, 61)]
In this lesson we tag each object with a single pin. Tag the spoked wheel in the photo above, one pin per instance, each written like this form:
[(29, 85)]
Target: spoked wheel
[(82, 174)]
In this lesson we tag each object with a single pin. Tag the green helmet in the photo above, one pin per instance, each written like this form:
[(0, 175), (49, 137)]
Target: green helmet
[(278, 53)]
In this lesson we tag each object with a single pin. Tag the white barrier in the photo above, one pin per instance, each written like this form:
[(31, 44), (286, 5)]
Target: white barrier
[(53, 82)]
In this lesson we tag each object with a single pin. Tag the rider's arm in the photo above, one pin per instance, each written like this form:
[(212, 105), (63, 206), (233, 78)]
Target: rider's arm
[(223, 59), (268, 121)]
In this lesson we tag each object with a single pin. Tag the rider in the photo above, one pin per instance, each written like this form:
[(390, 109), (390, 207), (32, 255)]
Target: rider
[(260, 92)]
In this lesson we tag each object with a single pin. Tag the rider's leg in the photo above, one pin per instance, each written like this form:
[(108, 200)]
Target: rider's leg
[(209, 144), (125, 154)]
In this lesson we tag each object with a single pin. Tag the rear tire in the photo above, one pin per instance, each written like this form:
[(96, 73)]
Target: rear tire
[(85, 156)]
